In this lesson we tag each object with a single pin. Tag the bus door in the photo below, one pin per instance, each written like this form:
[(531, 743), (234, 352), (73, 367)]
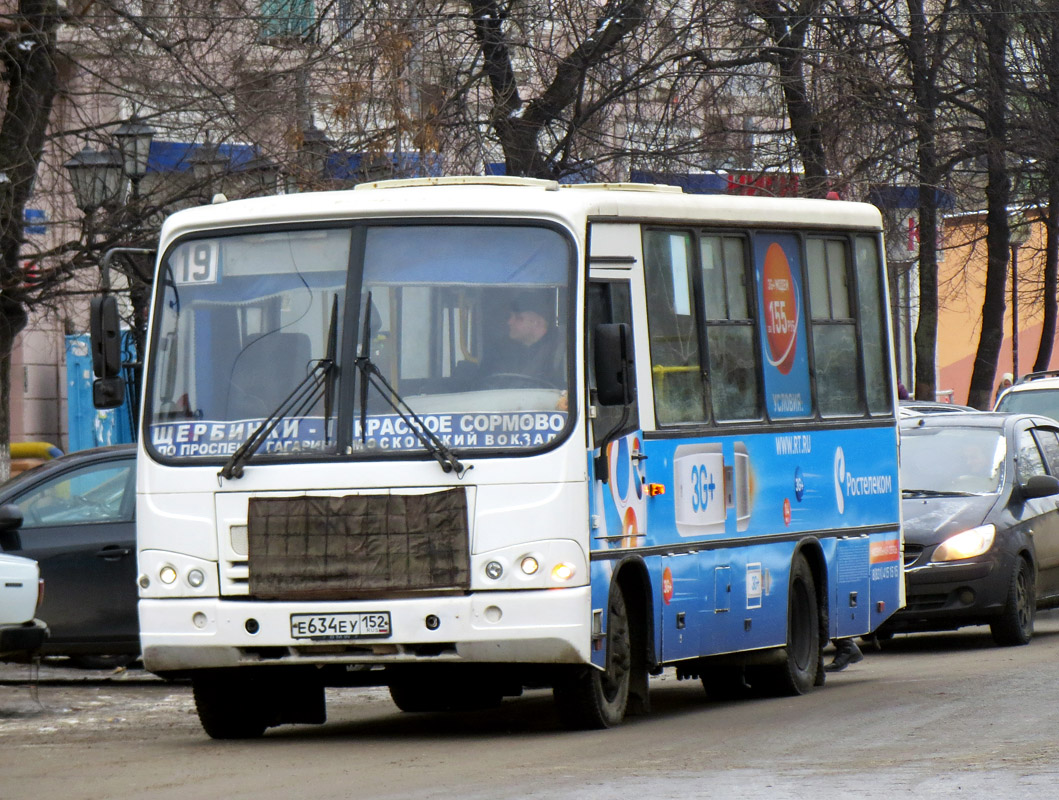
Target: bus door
[(618, 496), (617, 467)]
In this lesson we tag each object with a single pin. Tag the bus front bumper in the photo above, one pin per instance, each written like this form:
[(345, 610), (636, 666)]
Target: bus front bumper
[(541, 627)]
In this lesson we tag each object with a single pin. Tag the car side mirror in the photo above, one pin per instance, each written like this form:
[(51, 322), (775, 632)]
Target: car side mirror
[(1040, 486), (10, 517), (615, 377)]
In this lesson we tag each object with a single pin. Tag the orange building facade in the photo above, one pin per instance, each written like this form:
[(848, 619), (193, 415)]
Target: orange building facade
[(961, 288)]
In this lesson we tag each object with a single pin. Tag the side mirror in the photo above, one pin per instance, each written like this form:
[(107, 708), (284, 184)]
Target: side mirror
[(615, 377), (1040, 486), (105, 332), (108, 392), (10, 517)]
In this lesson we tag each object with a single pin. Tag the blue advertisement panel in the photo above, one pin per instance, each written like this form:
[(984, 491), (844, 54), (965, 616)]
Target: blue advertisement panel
[(758, 485), (778, 277), (727, 514)]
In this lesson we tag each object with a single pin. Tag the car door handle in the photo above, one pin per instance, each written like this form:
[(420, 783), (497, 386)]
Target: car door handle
[(113, 553)]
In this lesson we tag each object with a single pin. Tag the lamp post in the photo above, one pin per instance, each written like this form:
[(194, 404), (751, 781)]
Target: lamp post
[(314, 151), (1019, 234), (208, 164), (262, 174)]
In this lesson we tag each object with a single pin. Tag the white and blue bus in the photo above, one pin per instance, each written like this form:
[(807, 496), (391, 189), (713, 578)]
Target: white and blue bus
[(464, 436)]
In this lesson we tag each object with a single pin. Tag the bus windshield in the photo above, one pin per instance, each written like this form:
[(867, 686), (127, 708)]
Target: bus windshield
[(467, 323)]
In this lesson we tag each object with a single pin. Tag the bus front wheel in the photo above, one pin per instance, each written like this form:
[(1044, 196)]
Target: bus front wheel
[(592, 698), (229, 708)]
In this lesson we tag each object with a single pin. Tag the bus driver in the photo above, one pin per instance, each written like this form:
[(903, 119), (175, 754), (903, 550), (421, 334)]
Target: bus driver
[(535, 352)]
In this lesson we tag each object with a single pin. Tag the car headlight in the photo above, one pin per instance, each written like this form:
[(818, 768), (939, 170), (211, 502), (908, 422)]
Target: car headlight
[(966, 544)]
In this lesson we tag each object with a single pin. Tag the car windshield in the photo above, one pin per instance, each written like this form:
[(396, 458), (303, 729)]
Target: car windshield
[(952, 459), (1031, 401), (467, 323)]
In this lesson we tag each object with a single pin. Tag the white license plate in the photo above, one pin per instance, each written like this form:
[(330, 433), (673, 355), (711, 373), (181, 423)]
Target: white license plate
[(340, 626)]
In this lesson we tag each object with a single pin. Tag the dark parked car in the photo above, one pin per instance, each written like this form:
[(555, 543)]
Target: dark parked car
[(76, 516), (981, 523)]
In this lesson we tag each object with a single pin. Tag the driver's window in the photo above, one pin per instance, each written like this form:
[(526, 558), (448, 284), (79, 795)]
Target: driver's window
[(92, 494), (608, 301)]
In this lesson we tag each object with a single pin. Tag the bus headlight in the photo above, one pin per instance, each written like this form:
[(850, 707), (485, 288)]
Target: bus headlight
[(530, 565), (196, 578), (167, 574), (966, 544), (563, 571)]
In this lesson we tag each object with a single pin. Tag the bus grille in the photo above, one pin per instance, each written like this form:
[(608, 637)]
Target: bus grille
[(336, 548)]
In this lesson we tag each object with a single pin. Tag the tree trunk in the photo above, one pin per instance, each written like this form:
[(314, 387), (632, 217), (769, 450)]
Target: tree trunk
[(29, 70), (1051, 247), (925, 91), (788, 32), (994, 22), (1051, 272), (518, 127)]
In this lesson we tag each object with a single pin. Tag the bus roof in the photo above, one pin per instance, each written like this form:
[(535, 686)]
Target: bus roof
[(499, 196)]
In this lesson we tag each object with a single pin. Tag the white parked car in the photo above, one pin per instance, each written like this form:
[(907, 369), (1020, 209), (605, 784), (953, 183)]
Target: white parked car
[(21, 635), (1035, 393)]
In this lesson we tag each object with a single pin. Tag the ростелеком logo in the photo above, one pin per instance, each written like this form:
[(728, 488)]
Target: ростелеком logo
[(840, 480)]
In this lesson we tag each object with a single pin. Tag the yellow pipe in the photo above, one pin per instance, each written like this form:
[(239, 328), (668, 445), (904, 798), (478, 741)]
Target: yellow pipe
[(43, 450)]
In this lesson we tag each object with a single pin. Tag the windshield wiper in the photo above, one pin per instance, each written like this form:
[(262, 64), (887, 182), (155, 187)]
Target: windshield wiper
[(370, 374), (320, 380)]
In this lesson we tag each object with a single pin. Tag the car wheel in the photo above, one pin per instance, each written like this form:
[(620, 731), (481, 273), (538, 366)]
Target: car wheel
[(594, 699), (797, 672), (1015, 624), (102, 662)]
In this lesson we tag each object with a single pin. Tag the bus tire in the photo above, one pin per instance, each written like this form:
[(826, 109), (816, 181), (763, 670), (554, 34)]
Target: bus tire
[(229, 707), (592, 699), (798, 671)]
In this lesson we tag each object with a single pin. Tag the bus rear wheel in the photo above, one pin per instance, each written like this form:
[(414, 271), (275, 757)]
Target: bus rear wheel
[(798, 671), (594, 699)]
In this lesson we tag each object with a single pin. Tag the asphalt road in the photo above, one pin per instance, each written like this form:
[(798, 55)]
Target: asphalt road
[(946, 715)]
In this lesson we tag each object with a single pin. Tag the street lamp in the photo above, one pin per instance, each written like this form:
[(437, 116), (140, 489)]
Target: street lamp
[(207, 164), (1019, 234), (262, 173), (96, 177), (315, 149), (134, 142)]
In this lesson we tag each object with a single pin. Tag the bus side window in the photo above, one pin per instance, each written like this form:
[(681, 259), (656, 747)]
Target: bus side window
[(608, 301), (731, 354), (834, 329), (676, 369)]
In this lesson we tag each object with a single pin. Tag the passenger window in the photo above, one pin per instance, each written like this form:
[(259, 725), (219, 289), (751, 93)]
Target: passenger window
[(834, 331), (676, 368), (1030, 462), (1049, 445), (97, 493), (733, 376)]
